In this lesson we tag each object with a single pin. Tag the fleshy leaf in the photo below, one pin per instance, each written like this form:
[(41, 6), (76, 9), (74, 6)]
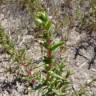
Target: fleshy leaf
[(55, 46)]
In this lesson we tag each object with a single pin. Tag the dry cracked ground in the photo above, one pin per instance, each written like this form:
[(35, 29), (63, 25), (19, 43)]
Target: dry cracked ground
[(19, 25)]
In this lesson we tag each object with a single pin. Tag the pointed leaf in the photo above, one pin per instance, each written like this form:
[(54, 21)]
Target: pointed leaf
[(55, 46), (48, 25), (56, 75)]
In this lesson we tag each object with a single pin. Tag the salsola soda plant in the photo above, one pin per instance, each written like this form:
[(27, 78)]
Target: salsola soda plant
[(53, 78)]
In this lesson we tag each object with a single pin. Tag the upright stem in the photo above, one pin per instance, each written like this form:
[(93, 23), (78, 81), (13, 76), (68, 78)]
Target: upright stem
[(49, 55)]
